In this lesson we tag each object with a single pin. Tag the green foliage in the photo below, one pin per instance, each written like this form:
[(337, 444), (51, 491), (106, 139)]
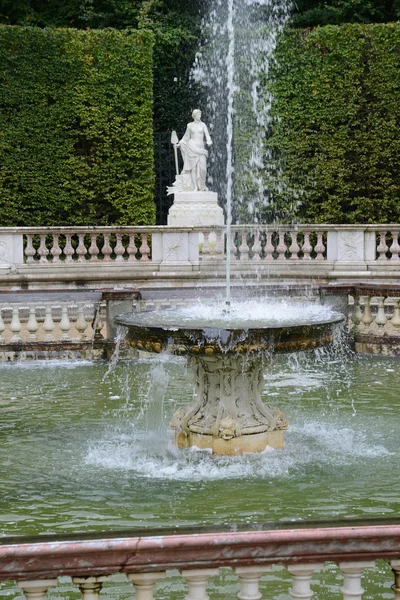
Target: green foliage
[(337, 115), (75, 127), (311, 13)]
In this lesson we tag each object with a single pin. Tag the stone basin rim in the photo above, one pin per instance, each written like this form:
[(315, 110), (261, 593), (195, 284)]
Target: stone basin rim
[(140, 321)]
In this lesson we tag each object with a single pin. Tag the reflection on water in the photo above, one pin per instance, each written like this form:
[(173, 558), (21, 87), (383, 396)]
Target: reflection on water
[(80, 451)]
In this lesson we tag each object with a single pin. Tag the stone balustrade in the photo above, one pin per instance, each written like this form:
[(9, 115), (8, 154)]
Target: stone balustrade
[(37, 256), (197, 557), (375, 319), (61, 323), (47, 322)]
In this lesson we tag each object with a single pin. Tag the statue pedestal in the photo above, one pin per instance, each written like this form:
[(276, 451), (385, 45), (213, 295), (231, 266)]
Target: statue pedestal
[(195, 209)]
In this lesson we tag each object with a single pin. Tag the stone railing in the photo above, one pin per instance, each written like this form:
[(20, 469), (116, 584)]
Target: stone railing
[(144, 560), (50, 322), (113, 254), (375, 319), (61, 323)]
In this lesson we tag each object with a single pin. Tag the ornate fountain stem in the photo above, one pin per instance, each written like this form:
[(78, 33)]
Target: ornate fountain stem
[(228, 415)]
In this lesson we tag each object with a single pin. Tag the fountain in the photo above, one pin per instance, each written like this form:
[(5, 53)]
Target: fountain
[(228, 351), (227, 346)]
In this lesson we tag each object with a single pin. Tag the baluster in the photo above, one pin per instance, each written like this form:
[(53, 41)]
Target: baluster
[(32, 325), (132, 248), (81, 248), (249, 578), (395, 320), (382, 247), (97, 323), (244, 247), (301, 579), (197, 582), (319, 246), (356, 317), (106, 249), (367, 317), (206, 249), (90, 586), (144, 248), (395, 564), (36, 589), (269, 247), (294, 247), (119, 249), (381, 318), (93, 248), (395, 247), (219, 242), (56, 250), (15, 325), (281, 247), (257, 248), (81, 323), (48, 325), (306, 247), (144, 583), (29, 250), (42, 250), (352, 572), (68, 249), (2, 326), (65, 323), (233, 248)]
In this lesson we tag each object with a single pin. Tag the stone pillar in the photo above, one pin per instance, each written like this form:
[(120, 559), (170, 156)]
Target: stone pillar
[(249, 578), (197, 580), (11, 250), (144, 583), (352, 572), (301, 579), (90, 586), (37, 588), (347, 248), (175, 250)]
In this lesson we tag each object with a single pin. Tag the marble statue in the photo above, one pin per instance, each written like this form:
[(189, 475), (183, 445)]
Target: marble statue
[(193, 175)]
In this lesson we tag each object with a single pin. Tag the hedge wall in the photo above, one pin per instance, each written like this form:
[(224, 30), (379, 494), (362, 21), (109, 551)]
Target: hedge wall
[(336, 125), (76, 141)]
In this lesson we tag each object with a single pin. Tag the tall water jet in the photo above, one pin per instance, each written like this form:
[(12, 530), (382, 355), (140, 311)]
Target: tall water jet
[(232, 66)]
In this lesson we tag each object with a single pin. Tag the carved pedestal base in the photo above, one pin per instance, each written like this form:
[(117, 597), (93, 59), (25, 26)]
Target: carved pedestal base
[(195, 209), (228, 415)]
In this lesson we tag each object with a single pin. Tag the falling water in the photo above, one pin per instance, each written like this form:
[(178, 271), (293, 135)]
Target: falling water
[(159, 379), (233, 64)]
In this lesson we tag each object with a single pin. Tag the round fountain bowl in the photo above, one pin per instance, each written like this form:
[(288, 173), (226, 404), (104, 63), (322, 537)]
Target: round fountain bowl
[(227, 350), (245, 328)]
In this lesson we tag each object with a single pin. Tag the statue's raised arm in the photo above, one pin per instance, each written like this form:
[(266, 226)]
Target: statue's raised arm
[(194, 173)]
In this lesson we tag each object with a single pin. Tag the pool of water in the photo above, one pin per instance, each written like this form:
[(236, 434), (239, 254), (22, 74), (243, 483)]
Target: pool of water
[(84, 449)]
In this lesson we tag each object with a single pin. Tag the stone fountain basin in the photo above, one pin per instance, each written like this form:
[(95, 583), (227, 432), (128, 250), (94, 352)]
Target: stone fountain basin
[(227, 350), (158, 331)]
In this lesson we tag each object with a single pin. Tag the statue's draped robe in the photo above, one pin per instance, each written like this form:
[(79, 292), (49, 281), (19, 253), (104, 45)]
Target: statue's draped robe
[(193, 175)]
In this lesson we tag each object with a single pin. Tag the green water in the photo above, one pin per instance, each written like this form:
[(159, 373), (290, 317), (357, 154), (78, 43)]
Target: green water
[(85, 451), (79, 451)]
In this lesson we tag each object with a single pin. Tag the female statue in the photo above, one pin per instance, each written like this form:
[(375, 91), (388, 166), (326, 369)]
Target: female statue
[(194, 154)]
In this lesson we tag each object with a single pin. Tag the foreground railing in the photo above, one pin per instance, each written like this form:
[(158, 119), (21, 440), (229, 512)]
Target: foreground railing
[(145, 559)]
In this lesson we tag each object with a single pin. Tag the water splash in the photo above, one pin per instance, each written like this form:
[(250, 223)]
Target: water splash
[(120, 335), (239, 38)]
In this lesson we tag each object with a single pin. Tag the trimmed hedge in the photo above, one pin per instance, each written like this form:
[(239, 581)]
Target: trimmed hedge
[(336, 125), (76, 143)]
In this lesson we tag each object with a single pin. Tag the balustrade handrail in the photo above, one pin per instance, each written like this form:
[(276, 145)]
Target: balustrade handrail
[(161, 228), (134, 554)]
